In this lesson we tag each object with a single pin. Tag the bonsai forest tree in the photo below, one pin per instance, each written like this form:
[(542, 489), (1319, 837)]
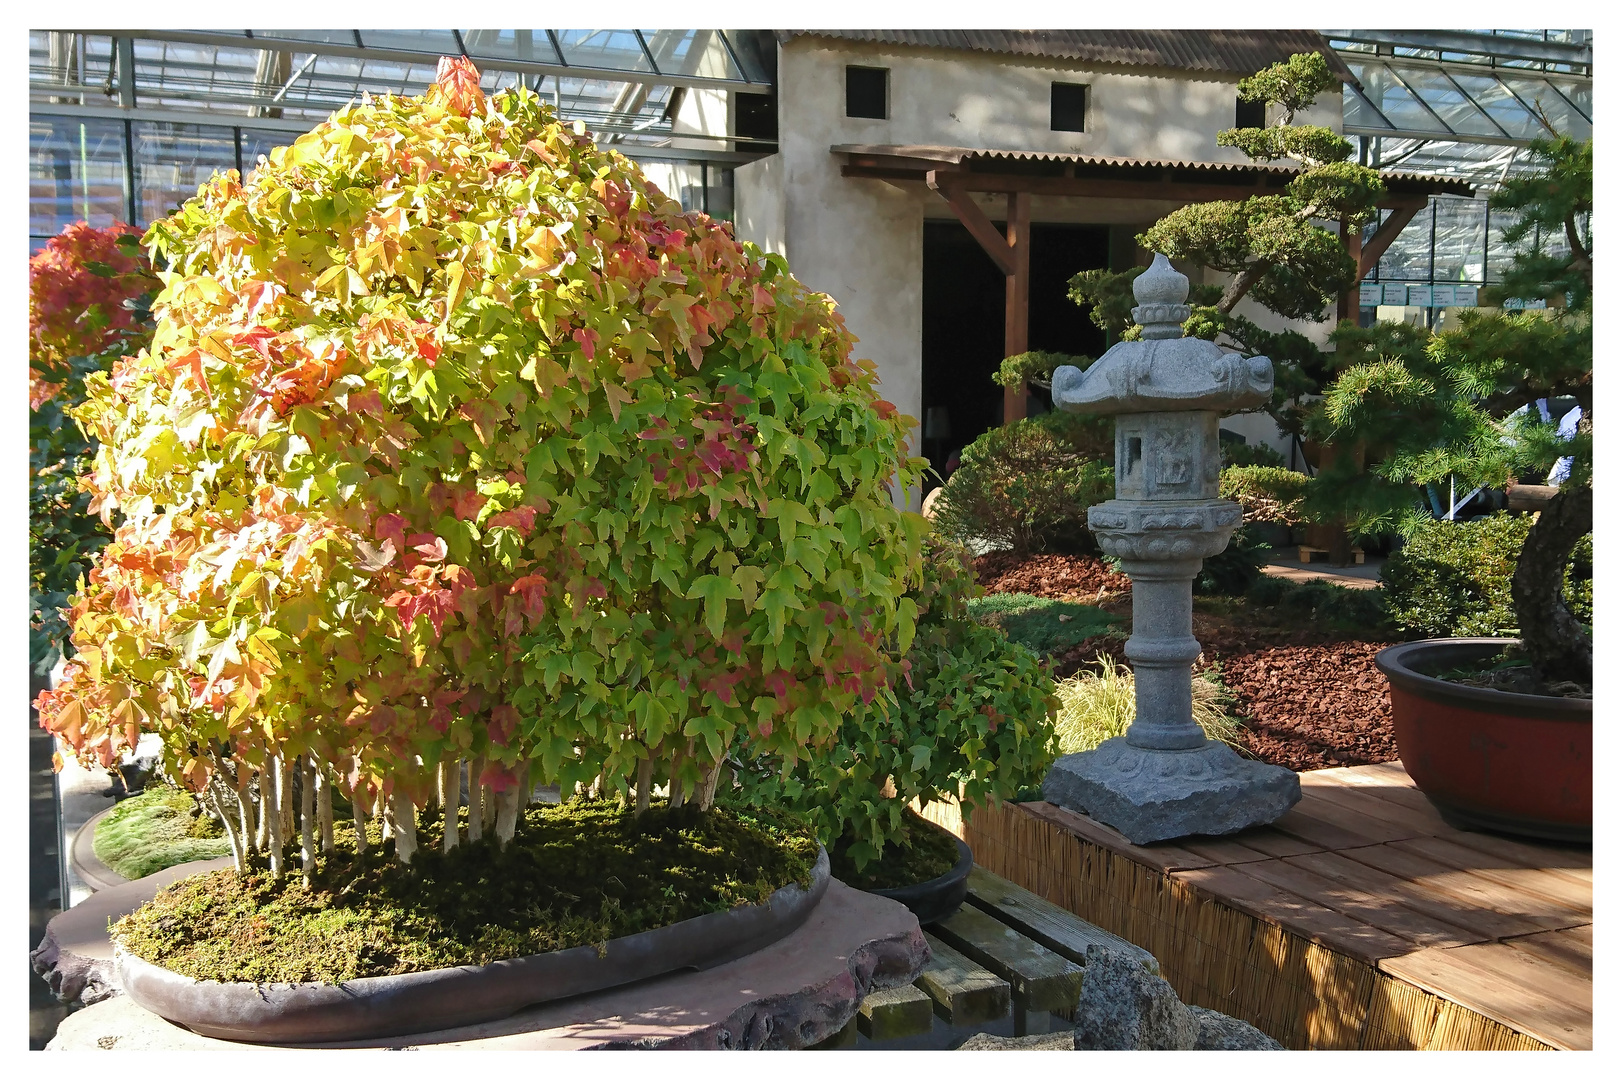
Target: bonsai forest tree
[(1461, 403), (87, 305), (459, 442)]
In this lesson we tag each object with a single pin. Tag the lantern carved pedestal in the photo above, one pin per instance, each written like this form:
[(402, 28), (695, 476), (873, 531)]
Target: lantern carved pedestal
[(1164, 779)]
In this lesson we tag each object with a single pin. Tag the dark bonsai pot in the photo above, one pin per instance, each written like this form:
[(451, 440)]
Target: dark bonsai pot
[(303, 1013), (1490, 759), (935, 899)]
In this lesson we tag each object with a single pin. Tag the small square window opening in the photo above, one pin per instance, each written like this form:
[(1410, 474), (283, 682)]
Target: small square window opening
[(1069, 107), (1249, 114), (867, 92)]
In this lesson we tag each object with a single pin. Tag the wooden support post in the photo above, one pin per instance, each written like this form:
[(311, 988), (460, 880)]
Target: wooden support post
[(1369, 257), (1351, 238), (1017, 315)]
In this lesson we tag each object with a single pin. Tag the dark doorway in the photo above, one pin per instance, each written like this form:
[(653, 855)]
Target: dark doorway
[(964, 299)]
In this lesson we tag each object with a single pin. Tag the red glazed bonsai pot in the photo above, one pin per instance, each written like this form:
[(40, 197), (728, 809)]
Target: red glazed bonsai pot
[(1489, 759)]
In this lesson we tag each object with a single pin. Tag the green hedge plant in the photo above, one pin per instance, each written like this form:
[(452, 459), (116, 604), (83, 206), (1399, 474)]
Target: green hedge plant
[(1027, 485), (460, 442), (1452, 578)]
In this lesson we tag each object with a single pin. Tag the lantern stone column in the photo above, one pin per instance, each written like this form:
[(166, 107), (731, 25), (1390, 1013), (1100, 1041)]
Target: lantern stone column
[(1164, 779)]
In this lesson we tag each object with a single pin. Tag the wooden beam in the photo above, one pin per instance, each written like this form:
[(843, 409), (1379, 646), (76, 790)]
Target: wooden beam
[(1017, 310), (1351, 239), (1369, 257), (975, 220)]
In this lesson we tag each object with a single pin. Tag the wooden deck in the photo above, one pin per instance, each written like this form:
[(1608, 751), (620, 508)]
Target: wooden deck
[(1364, 867)]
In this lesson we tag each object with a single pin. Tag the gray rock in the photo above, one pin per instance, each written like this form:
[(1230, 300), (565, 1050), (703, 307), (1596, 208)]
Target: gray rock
[(1125, 1007), (1053, 1040), (1152, 795), (1219, 1031)]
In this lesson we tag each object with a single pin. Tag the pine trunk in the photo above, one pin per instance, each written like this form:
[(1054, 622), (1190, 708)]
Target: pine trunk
[(1560, 649)]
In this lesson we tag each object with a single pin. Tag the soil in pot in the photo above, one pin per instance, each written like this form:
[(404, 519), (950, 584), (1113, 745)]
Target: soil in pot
[(1510, 671), (924, 852), (159, 828), (578, 874)]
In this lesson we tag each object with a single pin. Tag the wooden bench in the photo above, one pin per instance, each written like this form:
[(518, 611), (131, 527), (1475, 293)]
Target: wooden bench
[(1306, 553)]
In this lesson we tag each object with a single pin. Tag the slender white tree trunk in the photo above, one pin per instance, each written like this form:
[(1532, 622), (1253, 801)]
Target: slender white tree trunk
[(261, 831), (512, 801), (221, 805), (285, 788), (245, 814), (678, 794), (271, 803), (405, 828), (475, 801), (307, 818), (706, 791), (360, 820), (644, 782), (450, 797), (323, 807), (490, 809)]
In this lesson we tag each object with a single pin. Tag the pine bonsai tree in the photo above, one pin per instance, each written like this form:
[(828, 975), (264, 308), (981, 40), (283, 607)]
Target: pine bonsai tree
[(459, 442), (1459, 403)]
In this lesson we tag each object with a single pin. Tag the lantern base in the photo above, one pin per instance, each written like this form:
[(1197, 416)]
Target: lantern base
[(1151, 795)]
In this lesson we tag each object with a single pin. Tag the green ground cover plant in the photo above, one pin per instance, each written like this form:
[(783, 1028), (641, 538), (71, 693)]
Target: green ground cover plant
[(159, 828), (1042, 625), (1322, 603), (582, 873), (459, 442)]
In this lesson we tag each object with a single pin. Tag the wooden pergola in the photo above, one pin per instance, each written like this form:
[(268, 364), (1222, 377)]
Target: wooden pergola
[(955, 172)]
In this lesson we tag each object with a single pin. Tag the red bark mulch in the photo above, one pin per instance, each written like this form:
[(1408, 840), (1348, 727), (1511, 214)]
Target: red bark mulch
[(1310, 698)]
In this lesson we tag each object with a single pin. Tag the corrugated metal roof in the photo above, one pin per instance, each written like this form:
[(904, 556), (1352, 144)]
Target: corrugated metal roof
[(1239, 52), (963, 155)]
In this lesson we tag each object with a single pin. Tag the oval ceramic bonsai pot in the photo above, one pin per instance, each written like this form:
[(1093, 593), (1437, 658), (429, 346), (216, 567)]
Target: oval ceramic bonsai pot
[(452, 997), (1491, 759), (935, 899)]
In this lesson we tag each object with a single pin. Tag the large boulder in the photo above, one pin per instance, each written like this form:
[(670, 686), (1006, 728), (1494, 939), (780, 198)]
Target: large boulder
[(1219, 1031), (1052, 1040), (1124, 1006)]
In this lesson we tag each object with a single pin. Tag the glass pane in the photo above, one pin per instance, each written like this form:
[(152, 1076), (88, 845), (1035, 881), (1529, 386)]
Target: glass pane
[(1502, 106), (1393, 99), (1358, 112), (614, 49), (531, 45), (1580, 94), (173, 160), (75, 173), (691, 52), (1409, 256), (330, 37), (1461, 226), (1559, 113), (437, 42), (257, 144), (1449, 102)]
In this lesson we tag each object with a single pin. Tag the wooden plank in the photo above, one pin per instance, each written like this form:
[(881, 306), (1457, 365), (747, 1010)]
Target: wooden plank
[(1225, 850), (1423, 819), (1571, 949), (1162, 857), (1039, 977), (1377, 907), (1238, 889), (1265, 840), (1482, 923), (1573, 893), (1336, 828), (1062, 931), (963, 990), (1533, 911), (974, 219), (895, 1013), (1518, 991)]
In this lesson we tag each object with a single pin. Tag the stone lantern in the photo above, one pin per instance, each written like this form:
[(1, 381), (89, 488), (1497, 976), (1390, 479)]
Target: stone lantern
[(1164, 779)]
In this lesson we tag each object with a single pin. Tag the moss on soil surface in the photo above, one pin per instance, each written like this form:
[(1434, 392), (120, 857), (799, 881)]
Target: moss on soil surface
[(578, 874), (926, 851), (157, 829)]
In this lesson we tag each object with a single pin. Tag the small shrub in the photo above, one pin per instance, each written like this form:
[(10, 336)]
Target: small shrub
[(1042, 625), (1230, 571), (1452, 578), (1267, 493), (1244, 454), (1027, 485), (1321, 602), (1094, 707)]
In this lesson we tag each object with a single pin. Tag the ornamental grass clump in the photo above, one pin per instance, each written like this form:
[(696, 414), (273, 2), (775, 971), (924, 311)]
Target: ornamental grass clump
[(459, 443), (1102, 705)]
